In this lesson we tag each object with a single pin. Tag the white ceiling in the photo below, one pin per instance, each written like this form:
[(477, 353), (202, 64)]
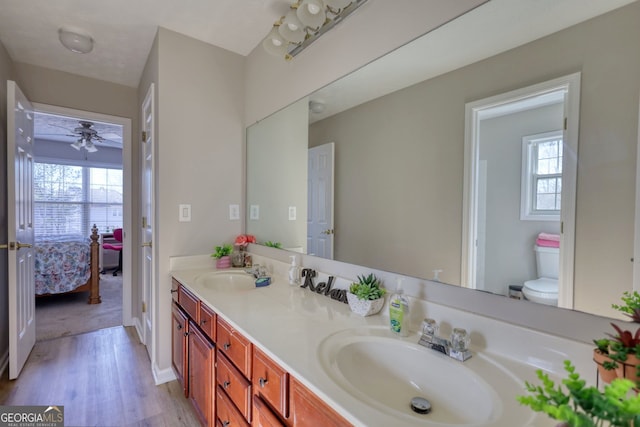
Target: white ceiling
[(124, 30)]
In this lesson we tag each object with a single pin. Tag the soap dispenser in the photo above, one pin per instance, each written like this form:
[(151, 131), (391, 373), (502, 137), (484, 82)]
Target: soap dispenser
[(294, 271), (399, 311)]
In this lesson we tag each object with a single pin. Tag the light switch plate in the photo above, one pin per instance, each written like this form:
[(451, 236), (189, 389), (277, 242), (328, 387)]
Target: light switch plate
[(184, 213), (234, 212), (292, 213), (254, 212)]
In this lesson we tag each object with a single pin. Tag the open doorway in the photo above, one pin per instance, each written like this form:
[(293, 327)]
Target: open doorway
[(522, 146), (81, 178)]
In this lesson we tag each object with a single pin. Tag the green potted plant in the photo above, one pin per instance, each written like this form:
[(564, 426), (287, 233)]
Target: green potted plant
[(222, 255), (624, 347), (366, 297), (606, 365), (581, 405)]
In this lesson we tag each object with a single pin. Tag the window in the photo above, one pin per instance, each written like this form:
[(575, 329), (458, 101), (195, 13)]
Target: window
[(68, 200), (541, 177)]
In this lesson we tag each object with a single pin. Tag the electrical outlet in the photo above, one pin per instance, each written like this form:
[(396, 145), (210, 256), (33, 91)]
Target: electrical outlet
[(254, 212), (292, 213), (234, 212)]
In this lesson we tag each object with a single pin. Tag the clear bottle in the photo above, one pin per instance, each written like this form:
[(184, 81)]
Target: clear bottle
[(399, 311), (294, 272)]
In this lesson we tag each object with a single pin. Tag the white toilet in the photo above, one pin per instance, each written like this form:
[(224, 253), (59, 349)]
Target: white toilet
[(544, 290)]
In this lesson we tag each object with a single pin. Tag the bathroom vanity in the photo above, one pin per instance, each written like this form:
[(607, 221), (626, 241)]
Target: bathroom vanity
[(285, 355)]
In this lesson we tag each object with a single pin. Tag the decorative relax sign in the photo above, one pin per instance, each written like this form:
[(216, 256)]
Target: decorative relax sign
[(323, 288)]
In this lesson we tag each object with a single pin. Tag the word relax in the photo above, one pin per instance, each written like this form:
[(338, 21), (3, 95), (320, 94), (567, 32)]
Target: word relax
[(323, 288)]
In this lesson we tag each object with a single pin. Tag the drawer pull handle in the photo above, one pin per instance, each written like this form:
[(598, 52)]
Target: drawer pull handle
[(263, 382), (203, 321), (179, 327), (186, 334), (226, 423), (227, 346), (173, 291), (226, 384)]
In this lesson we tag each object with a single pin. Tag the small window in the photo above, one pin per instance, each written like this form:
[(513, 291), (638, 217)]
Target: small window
[(541, 193)]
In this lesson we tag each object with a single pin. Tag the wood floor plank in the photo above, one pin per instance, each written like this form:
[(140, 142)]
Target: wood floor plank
[(102, 378)]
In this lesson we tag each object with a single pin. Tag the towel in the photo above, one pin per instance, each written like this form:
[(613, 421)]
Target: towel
[(548, 236), (547, 243)]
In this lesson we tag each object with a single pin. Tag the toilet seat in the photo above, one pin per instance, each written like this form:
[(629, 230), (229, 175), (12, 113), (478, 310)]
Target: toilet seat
[(542, 291)]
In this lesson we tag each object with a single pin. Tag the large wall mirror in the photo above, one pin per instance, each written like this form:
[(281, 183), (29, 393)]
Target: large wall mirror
[(372, 172)]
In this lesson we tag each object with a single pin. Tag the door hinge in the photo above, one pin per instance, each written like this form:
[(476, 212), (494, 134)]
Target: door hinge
[(144, 222), (144, 307), (565, 123), (562, 227), (144, 136)]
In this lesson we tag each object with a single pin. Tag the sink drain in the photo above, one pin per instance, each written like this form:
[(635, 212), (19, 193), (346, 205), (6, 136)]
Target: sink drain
[(420, 405)]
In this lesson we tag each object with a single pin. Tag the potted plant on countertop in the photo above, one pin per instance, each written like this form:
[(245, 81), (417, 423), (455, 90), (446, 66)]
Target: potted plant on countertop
[(624, 348), (582, 406), (606, 365), (366, 297), (222, 255)]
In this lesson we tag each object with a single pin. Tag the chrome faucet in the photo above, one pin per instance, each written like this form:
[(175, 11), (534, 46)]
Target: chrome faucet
[(456, 347), (257, 271)]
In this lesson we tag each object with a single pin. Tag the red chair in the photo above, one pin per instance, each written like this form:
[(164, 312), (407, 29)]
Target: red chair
[(117, 235)]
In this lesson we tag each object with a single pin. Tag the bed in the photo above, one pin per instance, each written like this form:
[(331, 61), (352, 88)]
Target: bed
[(68, 265)]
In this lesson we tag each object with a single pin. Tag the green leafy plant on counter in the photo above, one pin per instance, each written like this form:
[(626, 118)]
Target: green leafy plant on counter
[(367, 288), (581, 405), (271, 244), (631, 306), (223, 250)]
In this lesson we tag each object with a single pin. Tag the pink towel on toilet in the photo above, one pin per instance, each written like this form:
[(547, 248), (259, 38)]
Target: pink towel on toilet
[(547, 243)]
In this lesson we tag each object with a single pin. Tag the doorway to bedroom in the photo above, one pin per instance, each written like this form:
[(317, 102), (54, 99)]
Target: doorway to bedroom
[(80, 180)]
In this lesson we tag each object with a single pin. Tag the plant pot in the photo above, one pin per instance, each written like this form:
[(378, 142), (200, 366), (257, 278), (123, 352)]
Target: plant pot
[(629, 368), (223, 262), (606, 375), (364, 307)]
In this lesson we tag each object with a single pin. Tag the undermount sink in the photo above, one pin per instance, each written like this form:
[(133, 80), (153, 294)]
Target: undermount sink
[(227, 280), (386, 372)]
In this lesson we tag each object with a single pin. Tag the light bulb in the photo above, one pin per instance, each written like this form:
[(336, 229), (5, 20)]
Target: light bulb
[(276, 42), (313, 8)]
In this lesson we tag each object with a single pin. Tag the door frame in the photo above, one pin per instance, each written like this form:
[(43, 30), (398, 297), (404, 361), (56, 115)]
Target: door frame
[(473, 111), (127, 224)]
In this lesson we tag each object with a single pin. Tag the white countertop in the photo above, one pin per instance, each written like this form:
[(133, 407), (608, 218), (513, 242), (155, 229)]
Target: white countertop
[(289, 324)]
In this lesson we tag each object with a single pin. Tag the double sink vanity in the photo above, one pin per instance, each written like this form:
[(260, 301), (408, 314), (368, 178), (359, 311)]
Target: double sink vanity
[(284, 355)]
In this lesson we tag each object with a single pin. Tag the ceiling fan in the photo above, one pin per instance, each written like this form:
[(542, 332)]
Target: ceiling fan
[(86, 137)]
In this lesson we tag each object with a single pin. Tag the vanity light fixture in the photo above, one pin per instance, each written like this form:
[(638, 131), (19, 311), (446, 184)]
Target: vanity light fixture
[(305, 22), (75, 40)]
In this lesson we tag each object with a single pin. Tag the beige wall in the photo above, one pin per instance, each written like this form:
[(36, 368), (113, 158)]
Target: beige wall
[(276, 151), (610, 67), (6, 73), (199, 157)]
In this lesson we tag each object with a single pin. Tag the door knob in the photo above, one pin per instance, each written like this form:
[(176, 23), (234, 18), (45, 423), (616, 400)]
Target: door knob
[(23, 245), (146, 245), (328, 231)]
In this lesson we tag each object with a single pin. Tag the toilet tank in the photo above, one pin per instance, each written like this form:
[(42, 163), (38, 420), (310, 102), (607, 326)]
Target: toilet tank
[(547, 261)]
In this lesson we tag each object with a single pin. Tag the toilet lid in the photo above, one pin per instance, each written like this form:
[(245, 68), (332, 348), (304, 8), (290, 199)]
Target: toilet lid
[(543, 285)]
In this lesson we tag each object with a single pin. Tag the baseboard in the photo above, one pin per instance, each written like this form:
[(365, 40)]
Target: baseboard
[(138, 326), (161, 376), (4, 363)]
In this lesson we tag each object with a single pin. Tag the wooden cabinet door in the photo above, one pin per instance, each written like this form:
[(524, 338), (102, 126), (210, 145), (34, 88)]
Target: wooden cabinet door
[(308, 410), (179, 346), (201, 375), (263, 416)]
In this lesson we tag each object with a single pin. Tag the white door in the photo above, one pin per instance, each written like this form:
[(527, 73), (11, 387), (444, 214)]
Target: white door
[(320, 230), (147, 217), (22, 302)]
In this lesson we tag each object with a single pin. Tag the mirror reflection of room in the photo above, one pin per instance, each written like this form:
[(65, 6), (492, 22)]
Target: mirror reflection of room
[(399, 166)]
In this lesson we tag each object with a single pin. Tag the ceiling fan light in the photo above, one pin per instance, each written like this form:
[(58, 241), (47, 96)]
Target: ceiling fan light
[(76, 145), (75, 40), (90, 147), (311, 13)]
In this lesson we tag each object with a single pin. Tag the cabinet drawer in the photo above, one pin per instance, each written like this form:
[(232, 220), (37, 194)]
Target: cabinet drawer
[(235, 346), (263, 416), (227, 414), (207, 321), (237, 387), (270, 382), (188, 302)]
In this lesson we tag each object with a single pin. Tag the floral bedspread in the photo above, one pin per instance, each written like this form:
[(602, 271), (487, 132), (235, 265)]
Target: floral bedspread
[(61, 266)]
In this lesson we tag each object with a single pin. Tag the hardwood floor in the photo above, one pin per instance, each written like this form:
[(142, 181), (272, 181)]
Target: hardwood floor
[(102, 378)]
